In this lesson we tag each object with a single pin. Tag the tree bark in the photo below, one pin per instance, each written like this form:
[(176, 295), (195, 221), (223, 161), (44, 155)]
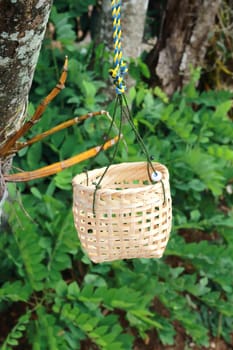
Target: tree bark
[(183, 41), (133, 23), (22, 28)]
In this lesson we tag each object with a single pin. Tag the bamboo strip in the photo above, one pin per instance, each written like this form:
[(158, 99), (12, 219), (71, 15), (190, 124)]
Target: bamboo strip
[(59, 166)]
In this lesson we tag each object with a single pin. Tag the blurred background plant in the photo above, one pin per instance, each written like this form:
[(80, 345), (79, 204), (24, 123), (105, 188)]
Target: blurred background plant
[(52, 296), (218, 70)]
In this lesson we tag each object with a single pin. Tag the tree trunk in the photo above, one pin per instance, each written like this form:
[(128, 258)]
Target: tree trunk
[(183, 41), (22, 28), (133, 23)]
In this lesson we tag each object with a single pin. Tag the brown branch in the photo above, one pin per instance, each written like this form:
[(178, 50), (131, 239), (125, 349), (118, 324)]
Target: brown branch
[(10, 143), (59, 166)]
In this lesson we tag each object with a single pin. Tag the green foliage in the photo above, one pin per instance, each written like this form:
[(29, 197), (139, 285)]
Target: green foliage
[(14, 291), (69, 301), (81, 309), (12, 339)]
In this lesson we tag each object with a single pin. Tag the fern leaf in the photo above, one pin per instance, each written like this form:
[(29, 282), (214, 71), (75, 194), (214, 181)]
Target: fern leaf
[(65, 244), (17, 332), (28, 255)]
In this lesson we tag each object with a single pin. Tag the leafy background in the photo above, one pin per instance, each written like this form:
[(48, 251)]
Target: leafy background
[(52, 296)]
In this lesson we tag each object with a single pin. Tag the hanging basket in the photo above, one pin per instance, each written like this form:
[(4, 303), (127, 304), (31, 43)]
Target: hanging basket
[(132, 217)]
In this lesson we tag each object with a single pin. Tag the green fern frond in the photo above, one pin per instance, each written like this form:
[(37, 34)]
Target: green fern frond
[(16, 333), (27, 253), (63, 243)]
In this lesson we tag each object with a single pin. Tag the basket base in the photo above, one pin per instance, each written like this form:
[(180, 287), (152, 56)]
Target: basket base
[(124, 256)]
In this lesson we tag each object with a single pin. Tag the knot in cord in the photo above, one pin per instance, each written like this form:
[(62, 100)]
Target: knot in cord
[(120, 67)]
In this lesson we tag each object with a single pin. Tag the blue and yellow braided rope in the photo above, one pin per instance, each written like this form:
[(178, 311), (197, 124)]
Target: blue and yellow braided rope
[(120, 67)]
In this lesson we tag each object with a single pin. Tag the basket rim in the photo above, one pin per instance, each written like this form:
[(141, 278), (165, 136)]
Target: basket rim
[(101, 191)]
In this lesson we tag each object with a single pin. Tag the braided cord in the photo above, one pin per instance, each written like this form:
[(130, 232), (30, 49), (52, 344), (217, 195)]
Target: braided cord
[(120, 67)]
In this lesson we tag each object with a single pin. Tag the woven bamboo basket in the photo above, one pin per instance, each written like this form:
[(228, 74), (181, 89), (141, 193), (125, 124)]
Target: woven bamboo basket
[(132, 216)]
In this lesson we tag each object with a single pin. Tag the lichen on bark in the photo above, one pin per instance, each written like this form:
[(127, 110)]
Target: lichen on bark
[(22, 27)]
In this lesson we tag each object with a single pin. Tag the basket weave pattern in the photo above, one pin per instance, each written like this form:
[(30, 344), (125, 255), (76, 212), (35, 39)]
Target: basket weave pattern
[(132, 216)]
